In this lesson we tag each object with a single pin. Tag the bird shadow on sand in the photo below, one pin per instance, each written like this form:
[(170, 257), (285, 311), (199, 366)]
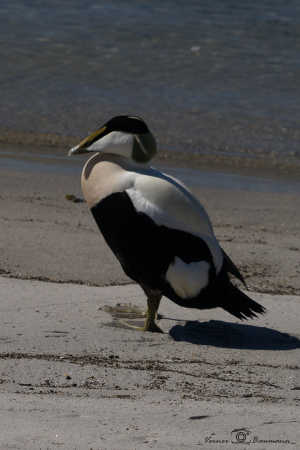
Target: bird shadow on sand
[(233, 335)]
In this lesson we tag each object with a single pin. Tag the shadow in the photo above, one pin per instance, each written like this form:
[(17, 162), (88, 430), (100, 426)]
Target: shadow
[(233, 335)]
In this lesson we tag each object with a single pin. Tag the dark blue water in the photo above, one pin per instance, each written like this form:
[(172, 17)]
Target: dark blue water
[(216, 76)]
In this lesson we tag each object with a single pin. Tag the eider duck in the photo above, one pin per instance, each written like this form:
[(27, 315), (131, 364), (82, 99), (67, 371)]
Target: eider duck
[(159, 232)]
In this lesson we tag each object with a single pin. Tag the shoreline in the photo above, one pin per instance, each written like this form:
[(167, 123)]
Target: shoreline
[(247, 162)]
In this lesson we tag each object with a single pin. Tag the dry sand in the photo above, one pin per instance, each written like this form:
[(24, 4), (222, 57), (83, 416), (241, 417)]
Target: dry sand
[(72, 378)]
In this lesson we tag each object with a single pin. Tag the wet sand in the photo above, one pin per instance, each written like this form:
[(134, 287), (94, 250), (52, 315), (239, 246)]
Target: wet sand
[(256, 220), (72, 376)]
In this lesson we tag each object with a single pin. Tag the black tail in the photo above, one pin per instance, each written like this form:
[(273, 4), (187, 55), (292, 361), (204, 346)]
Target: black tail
[(230, 267), (239, 304)]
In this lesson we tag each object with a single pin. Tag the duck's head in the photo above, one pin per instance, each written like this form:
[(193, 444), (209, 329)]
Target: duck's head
[(127, 136)]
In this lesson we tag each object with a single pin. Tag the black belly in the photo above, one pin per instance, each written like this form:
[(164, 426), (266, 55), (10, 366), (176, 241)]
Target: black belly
[(145, 249)]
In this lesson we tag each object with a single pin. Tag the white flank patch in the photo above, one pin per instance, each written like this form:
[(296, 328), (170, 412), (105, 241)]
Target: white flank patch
[(187, 280)]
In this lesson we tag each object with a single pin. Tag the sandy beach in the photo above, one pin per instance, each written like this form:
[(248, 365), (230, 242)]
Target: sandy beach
[(73, 377)]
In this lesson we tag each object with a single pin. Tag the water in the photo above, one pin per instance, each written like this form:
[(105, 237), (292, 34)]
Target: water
[(216, 76)]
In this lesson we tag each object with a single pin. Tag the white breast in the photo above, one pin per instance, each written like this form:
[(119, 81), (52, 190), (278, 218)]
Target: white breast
[(101, 177)]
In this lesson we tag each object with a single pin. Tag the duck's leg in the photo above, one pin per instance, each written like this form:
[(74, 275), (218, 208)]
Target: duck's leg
[(153, 300)]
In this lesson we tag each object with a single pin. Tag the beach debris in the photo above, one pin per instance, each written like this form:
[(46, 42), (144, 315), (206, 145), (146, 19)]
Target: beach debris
[(73, 198)]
